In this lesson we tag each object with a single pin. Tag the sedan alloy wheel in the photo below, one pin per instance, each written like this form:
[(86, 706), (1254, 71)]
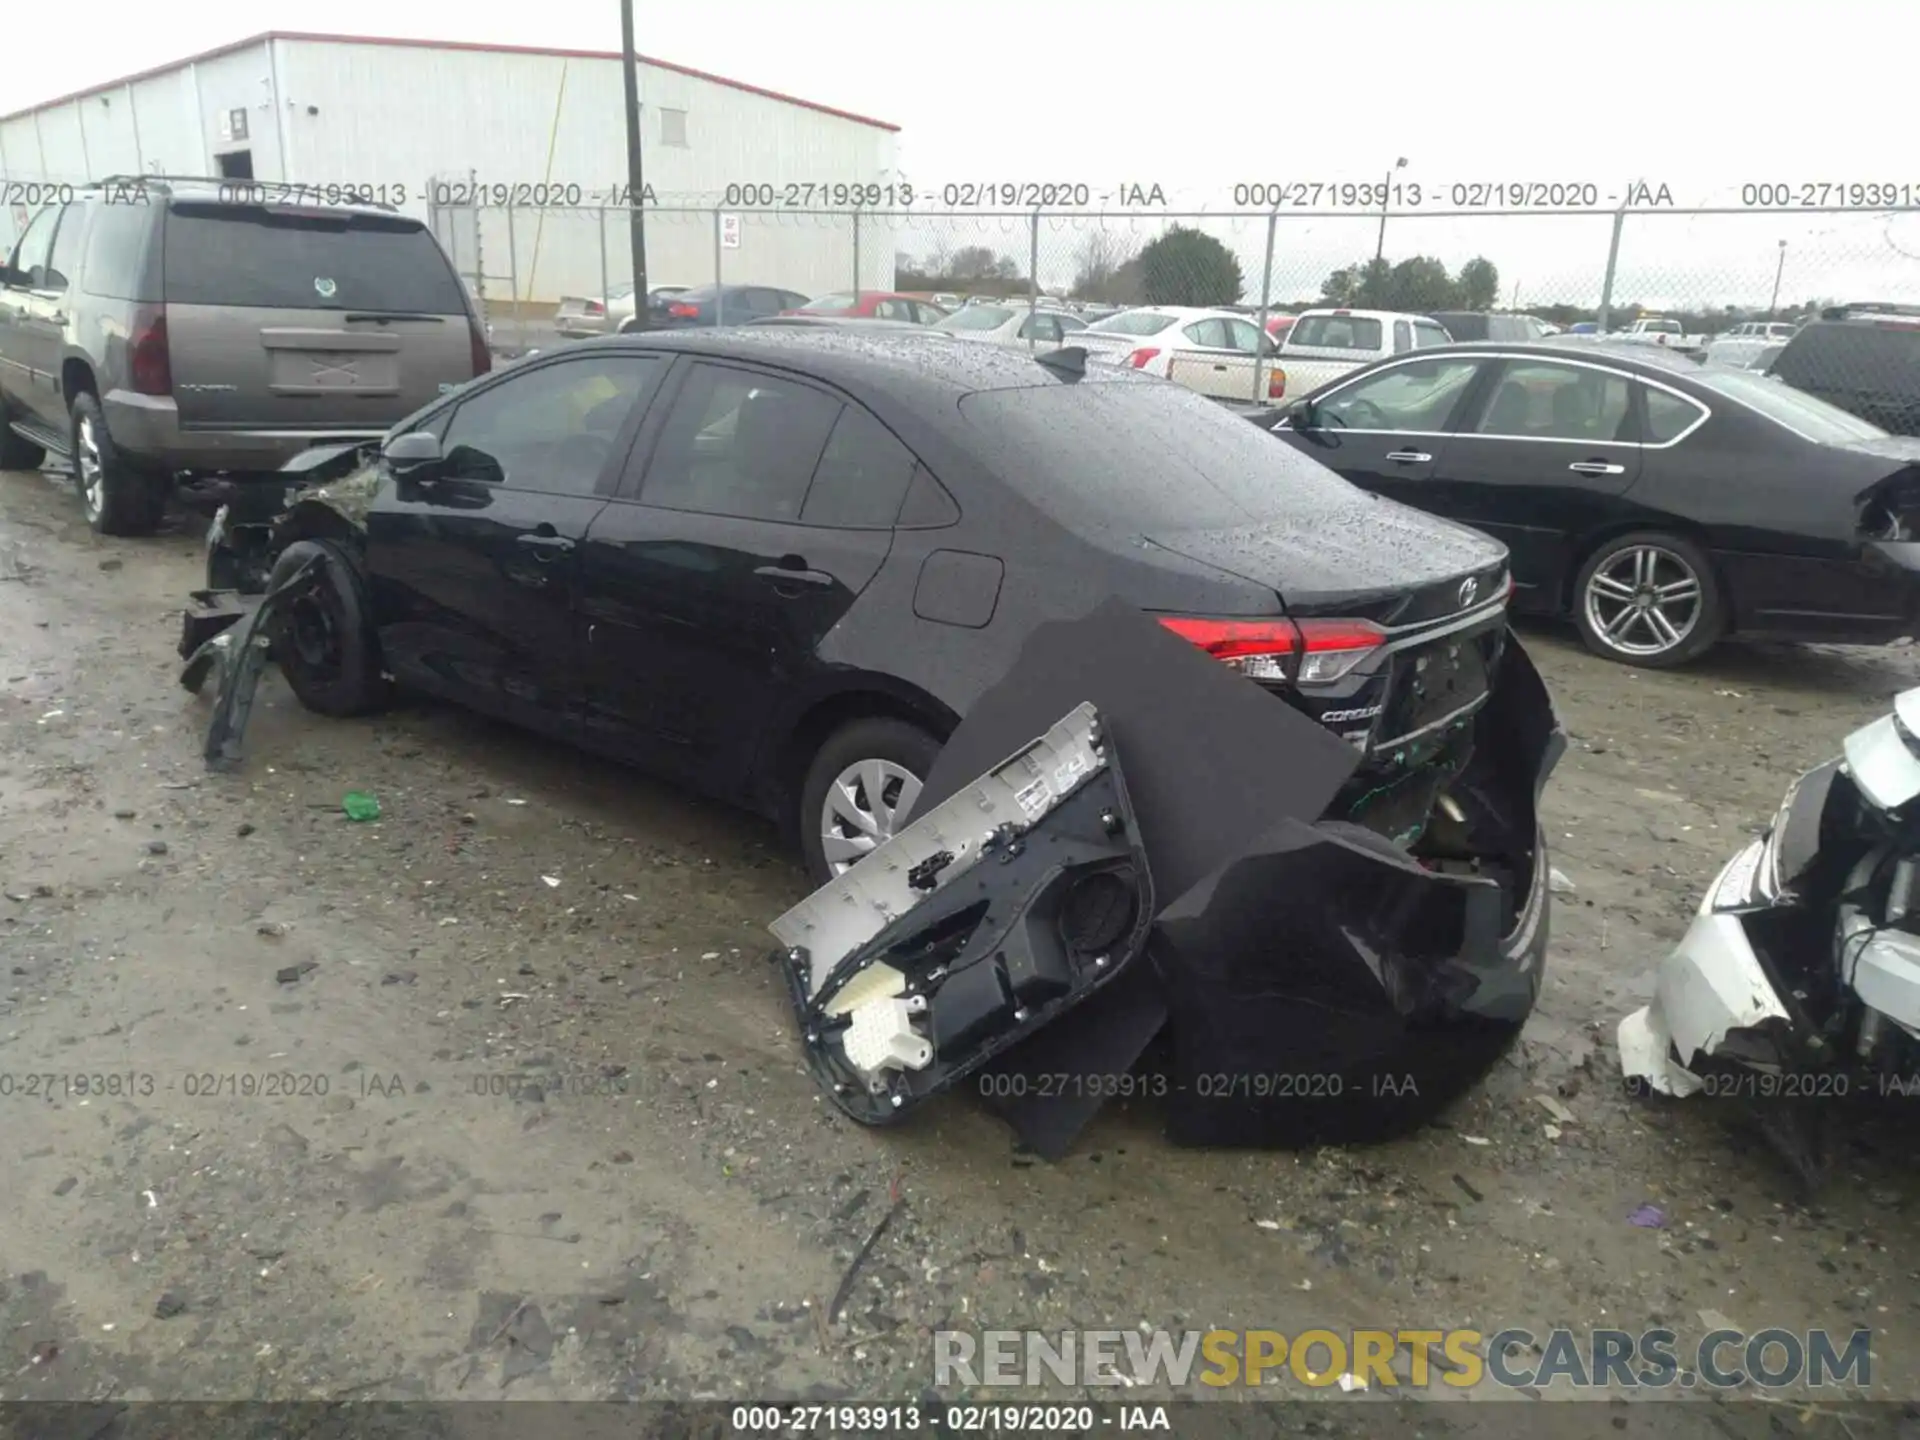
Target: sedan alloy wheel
[(1644, 601)]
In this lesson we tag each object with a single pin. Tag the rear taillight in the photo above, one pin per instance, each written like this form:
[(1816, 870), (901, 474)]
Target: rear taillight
[(148, 362), (1306, 652), (477, 344), (684, 312), (1277, 384), (1331, 648), (593, 307), (1139, 359)]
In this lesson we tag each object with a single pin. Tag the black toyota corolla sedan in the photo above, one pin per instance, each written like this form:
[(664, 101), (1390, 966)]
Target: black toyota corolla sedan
[(777, 564), (1659, 503)]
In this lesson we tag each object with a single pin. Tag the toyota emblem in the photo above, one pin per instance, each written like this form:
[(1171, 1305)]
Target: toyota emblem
[(1469, 588)]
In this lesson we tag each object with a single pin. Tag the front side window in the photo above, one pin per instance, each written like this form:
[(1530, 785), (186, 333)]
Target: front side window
[(30, 255), (552, 428), (1420, 395)]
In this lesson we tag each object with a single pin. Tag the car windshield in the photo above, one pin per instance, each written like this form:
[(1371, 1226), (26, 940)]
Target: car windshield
[(1133, 322), (831, 304), (976, 317), (1144, 459), (1335, 332), (1798, 411)]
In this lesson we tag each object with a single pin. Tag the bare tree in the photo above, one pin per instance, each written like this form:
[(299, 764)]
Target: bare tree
[(1101, 257)]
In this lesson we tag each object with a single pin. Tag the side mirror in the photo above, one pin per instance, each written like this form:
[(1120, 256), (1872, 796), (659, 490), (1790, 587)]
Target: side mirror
[(415, 454), (1300, 415)]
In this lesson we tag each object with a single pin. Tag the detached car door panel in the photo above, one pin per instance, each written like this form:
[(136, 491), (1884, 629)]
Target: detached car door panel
[(477, 565), (765, 506), (1544, 457)]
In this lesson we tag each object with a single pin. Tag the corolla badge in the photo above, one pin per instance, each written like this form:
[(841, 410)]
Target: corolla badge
[(324, 287), (1469, 588)]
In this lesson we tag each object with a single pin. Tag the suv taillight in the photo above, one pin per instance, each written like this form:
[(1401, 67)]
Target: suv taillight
[(482, 352), (1305, 652), (149, 365)]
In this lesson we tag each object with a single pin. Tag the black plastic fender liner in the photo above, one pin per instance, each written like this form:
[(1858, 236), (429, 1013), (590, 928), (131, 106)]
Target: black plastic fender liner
[(237, 655), (1044, 920)]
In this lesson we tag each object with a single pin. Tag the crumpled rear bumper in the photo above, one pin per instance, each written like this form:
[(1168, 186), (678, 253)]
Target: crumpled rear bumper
[(1303, 979)]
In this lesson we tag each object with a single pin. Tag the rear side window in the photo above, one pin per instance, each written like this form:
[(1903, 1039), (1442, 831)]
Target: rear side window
[(862, 477), (1668, 416), (116, 260), (1426, 335), (63, 265), (1336, 332), (263, 257)]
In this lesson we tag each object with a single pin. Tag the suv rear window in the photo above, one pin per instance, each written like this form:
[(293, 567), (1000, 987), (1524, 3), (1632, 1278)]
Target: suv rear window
[(1851, 355), (264, 257), (1335, 332)]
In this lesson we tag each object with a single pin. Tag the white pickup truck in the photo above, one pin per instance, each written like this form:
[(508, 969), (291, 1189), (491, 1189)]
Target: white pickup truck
[(1660, 332), (1323, 345)]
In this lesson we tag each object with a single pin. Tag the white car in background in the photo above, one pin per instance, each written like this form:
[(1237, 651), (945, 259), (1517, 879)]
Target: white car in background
[(1010, 324), (581, 316), (1744, 344), (1215, 352)]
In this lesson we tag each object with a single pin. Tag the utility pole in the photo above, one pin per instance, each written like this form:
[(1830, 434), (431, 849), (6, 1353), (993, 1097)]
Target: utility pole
[(636, 180), (1773, 305), (1386, 193)]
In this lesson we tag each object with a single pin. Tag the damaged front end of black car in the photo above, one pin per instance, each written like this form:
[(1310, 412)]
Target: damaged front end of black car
[(1163, 896), (280, 572)]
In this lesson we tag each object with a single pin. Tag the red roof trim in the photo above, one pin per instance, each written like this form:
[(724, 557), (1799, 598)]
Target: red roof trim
[(318, 39)]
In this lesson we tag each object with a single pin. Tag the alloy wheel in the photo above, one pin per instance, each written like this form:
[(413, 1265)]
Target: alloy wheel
[(93, 491), (1644, 601), (863, 808)]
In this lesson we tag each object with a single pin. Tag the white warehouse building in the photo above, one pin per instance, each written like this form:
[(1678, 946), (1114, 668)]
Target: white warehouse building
[(512, 154)]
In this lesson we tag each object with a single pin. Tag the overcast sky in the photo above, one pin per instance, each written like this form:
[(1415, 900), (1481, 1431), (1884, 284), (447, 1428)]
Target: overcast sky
[(1699, 95)]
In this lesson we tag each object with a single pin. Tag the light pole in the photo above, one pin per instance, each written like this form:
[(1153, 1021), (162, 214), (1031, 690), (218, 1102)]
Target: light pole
[(636, 180), (1773, 305), (1386, 193)]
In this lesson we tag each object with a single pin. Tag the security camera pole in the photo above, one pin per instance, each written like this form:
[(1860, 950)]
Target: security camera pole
[(636, 184)]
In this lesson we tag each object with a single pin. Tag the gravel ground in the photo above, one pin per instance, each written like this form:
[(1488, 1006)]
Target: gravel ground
[(496, 1096)]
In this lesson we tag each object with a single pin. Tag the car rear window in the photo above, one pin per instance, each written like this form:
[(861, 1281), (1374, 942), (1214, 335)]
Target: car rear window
[(1794, 408), (1335, 332), (265, 257), (1146, 459), (1133, 322), (832, 304), (976, 317)]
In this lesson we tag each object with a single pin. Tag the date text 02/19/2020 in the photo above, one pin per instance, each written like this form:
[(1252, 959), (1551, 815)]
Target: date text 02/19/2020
[(1225, 1085), (1364, 196)]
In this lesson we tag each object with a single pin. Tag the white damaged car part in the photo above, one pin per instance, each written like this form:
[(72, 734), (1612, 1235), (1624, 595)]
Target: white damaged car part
[(1799, 978)]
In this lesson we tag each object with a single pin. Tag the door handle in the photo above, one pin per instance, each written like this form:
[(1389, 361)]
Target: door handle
[(544, 546), (1596, 467), (1220, 369), (793, 575), (1409, 457)]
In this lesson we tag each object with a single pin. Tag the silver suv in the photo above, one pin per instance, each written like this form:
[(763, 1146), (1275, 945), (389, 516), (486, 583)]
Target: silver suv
[(152, 327)]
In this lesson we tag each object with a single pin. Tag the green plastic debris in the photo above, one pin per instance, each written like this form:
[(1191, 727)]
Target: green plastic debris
[(359, 805)]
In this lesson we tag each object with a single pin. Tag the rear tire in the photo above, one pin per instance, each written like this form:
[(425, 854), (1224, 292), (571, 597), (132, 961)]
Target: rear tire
[(324, 642), (836, 801), (1649, 599), (119, 498)]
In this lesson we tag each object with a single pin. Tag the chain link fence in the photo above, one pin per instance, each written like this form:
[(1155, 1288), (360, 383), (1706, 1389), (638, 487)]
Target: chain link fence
[(1707, 270)]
